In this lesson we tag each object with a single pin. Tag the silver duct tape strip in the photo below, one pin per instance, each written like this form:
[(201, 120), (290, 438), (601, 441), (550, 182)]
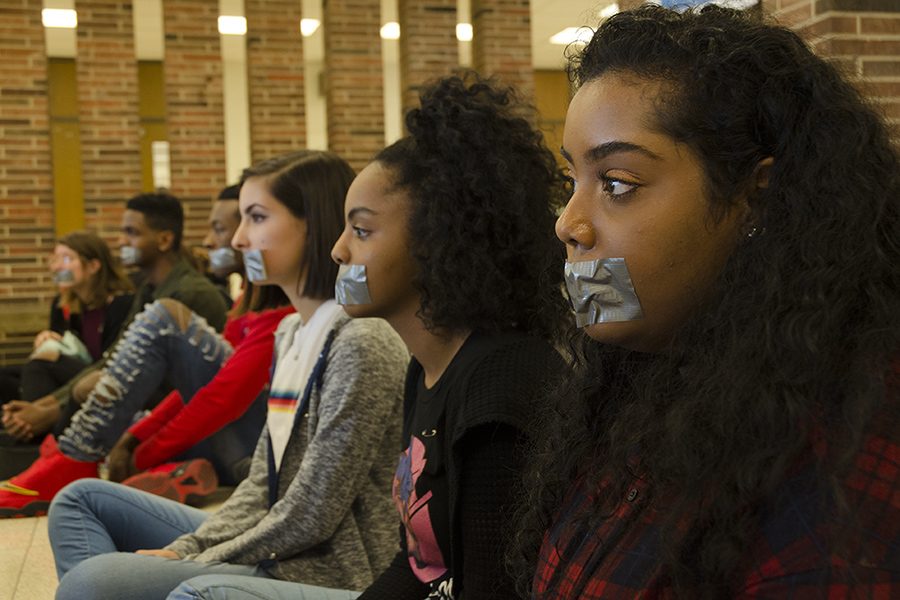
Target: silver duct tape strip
[(64, 276), (129, 255), (255, 266), (601, 291), (223, 259), (351, 286)]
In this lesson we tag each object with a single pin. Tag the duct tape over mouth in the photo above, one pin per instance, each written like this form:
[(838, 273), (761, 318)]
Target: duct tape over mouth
[(223, 259), (601, 291), (129, 255), (64, 276), (255, 266), (351, 286)]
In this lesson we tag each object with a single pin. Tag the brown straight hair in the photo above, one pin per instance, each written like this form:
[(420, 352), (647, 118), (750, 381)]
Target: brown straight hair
[(110, 280), (312, 184)]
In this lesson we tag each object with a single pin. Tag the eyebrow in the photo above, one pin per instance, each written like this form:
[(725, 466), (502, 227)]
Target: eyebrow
[(252, 206), (360, 209), (603, 150)]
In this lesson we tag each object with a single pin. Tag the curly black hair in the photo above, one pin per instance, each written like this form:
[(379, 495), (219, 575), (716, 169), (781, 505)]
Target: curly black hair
[(485, 190), (801, 327)]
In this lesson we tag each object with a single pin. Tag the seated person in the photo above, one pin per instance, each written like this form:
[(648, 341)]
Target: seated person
[(735, 433), (316, 505), (183, 420), (94, 297), (151, 240), (168, 344)]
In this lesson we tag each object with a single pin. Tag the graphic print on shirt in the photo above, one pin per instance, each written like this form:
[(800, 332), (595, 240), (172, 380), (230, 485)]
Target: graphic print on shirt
[(425, 557)]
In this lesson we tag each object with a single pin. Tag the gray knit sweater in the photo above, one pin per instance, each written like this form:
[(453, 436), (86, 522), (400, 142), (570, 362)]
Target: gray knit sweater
[(334, 523)]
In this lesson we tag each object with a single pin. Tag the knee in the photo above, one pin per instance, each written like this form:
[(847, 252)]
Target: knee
[(178, 312), (70, 498), (95, 578), (195, 588)]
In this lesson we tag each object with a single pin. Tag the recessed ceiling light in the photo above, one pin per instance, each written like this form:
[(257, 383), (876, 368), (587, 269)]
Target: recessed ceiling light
[(464, 32), (570, 35), (63, 18), (309, 26), (390, 31), (232, 25)]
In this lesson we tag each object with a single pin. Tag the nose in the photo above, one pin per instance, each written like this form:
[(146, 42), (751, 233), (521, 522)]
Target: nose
[(339, 252), (239, 240), (209, 242), (575, 229)]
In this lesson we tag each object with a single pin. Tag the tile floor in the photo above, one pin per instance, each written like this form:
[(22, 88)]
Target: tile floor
[(26, 561)]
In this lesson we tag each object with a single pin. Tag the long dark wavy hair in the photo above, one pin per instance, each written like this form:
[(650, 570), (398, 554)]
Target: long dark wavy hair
[(797, 336), (485, 190)]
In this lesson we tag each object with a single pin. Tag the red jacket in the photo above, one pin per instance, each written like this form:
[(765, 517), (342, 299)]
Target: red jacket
[(174, 426)]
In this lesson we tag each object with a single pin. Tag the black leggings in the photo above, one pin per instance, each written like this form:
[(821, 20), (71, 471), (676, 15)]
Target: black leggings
[(42, 377), (10, 378)]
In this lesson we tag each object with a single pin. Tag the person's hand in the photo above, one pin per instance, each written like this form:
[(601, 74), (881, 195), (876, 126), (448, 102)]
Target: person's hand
[(46, 335), (13, 423), (161, 552), (24, 420), (121, 458)]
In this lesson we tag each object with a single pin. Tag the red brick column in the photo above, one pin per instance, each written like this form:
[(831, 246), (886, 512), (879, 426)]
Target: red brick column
[(862, 36), (501, 44), (108, 112), (26, 197), (428, 45), (275, 77), (354, 79), (193, 82)]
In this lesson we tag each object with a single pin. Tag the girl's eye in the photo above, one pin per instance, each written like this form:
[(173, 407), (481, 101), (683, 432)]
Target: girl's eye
[(617, 187), (360, 232), (257, 218)]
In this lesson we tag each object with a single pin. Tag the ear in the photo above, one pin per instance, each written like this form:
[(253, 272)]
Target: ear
[(92, 266), (164, 240), (762, 172), (758, 181)]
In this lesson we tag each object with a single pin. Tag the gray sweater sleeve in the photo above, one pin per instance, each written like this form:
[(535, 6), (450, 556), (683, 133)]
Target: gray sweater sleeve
[(361, 390), (242, 511)]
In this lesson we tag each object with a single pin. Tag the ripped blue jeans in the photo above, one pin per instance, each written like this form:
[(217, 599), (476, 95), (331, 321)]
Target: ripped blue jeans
[(157, 348)]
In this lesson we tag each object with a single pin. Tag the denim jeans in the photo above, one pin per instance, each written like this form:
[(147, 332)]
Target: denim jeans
[(95, 526), (239, 587), (153, 351)]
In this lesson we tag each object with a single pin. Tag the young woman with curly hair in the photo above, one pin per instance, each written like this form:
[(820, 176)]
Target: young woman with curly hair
[(740, 438), (451, 228)]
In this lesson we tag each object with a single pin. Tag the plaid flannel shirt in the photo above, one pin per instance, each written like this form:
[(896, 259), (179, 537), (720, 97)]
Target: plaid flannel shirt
[(789, 557)]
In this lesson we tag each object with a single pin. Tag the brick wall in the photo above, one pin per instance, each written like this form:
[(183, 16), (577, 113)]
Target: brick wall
[(353, 79), (26, 198), (501, 44), (862, 36), (428, 45), (108, 112), (275, 73), (193, 82)]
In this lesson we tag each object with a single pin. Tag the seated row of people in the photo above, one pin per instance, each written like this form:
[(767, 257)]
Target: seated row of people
[(727, 427)]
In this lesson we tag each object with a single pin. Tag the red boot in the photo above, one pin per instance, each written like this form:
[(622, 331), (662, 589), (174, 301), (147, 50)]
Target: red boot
[(29, 493), (185, 482)]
